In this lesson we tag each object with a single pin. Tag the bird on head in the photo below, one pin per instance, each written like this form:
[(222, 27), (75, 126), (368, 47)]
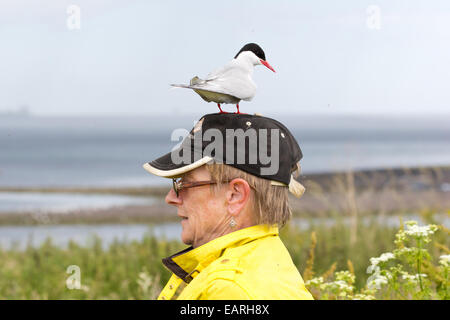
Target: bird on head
[(233, 82)]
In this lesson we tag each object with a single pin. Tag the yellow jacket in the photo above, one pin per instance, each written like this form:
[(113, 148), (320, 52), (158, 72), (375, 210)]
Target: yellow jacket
[(250, 263)]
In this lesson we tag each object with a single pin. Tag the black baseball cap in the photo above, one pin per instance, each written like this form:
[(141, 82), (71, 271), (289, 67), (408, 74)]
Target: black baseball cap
[(258, 145)]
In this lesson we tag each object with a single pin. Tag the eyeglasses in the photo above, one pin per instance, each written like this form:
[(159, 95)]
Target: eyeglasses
[(179, 185)]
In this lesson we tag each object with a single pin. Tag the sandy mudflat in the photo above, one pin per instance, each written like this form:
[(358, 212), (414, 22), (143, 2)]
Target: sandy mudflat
[(384, 191)]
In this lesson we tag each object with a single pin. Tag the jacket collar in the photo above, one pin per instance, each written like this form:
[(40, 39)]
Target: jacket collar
[(184, 263)]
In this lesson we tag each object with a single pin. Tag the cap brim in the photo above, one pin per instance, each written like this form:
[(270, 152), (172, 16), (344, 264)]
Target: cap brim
[(165, 167)]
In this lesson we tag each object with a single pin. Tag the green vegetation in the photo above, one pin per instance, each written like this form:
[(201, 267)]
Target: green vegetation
[(134, 270), (112, 273)]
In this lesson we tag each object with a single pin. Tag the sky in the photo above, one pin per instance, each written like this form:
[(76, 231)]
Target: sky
[(110, 57)]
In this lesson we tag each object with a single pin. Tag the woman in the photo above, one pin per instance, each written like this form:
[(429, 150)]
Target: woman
[(230, 219)]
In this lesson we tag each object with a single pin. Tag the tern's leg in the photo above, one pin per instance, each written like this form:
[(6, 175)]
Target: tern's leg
[(221, 111), (237, 106)]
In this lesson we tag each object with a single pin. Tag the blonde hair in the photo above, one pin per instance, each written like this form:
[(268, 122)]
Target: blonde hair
[(270, 203)]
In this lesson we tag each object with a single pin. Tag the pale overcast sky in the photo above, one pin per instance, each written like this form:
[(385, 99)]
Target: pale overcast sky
[(330, 56)]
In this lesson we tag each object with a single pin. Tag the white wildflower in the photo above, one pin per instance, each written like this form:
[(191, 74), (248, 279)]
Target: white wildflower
[(360, 296), (346, 276), (412, 229), (84, 288), (412, 279), (388, 275), (342, 285), (375, 261), (338, 285), (386, 256), (375, 281), (314, 282), (324, 286), (144, 281), (373, 268), (444, 260), (405, 251), (400, 237)]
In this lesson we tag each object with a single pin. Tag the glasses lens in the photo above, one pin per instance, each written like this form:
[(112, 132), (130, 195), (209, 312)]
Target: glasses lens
[(175, 186)]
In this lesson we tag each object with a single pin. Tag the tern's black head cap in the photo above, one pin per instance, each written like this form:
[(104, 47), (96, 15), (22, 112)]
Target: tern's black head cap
[(253, 47)]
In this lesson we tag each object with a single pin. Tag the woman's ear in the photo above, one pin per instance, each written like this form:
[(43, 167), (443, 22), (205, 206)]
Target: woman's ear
[(237, 196)]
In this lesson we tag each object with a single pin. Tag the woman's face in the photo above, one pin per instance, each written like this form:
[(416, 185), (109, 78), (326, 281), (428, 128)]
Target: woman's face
[(203, 212)]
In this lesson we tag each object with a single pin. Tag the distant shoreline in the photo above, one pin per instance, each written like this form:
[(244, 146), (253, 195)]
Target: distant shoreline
[(362, 192), (378, 177)]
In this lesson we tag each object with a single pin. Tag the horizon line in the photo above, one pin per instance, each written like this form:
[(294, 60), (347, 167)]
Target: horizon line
[(178, 115)]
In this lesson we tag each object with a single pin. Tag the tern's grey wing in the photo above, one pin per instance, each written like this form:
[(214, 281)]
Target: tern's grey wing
[(181, 86), (195, 83), (204, 86), (241, 87)]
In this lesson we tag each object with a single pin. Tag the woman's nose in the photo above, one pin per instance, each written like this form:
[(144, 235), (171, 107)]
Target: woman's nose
[(171, 198)]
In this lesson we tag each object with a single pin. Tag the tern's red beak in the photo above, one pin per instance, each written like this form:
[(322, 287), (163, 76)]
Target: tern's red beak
[(267, 64)]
